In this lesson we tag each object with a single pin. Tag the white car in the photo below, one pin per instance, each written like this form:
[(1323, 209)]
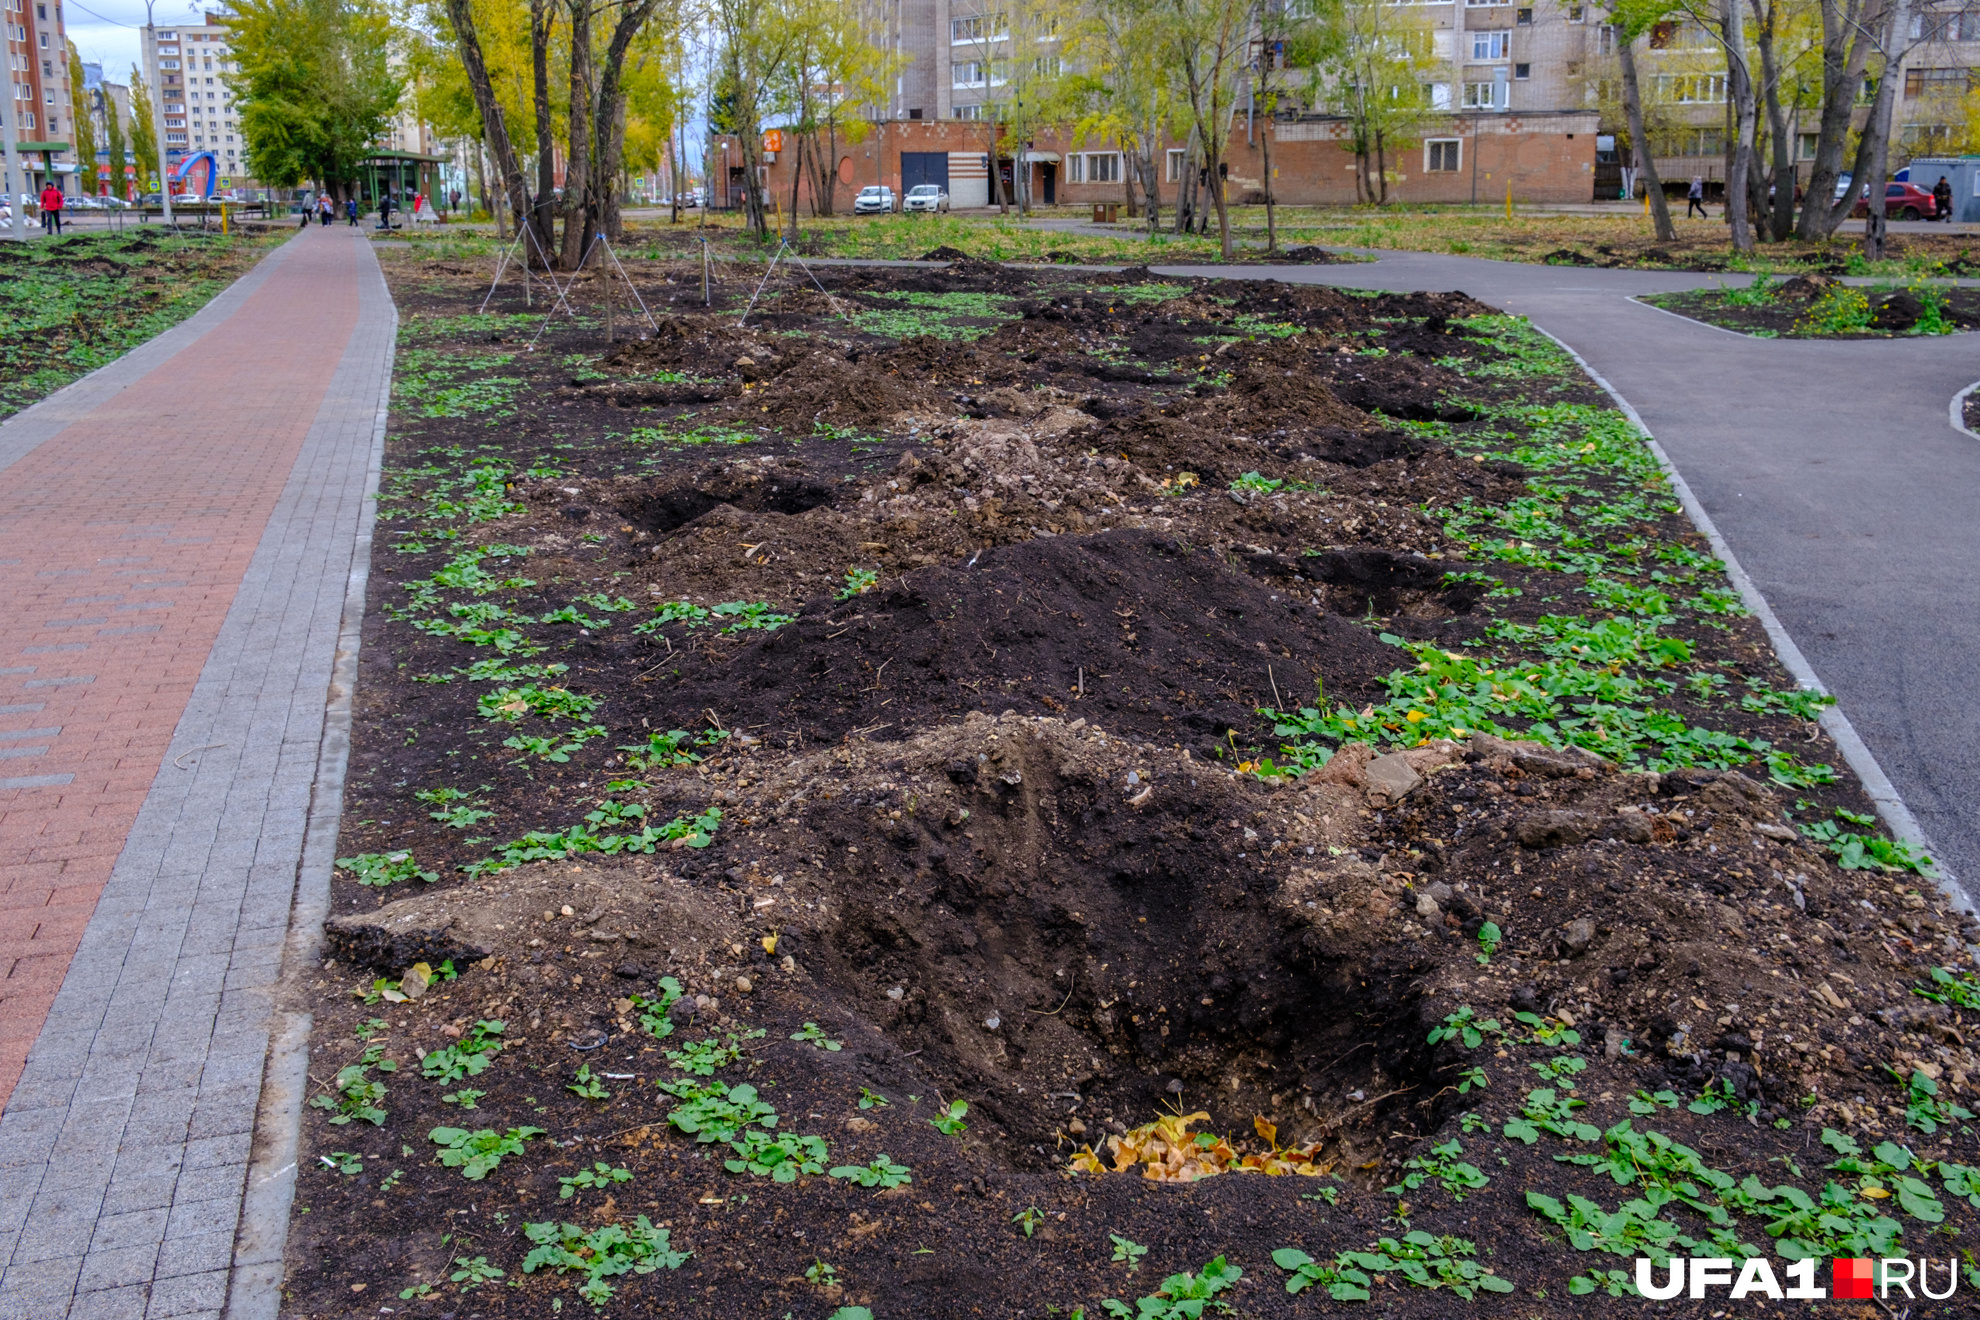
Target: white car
[(926, 197), (874, 199)]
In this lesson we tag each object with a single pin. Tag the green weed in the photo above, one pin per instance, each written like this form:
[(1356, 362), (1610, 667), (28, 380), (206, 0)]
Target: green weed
[(477, 1154)]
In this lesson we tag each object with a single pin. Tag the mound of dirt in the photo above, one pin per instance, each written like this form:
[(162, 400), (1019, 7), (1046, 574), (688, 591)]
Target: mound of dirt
[(702, 343), (811, 386), (1159, 639), (1311, 256), (945, 253)]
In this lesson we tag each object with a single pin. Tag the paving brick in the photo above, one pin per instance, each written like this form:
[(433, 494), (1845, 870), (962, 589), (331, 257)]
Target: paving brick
[(146, 875)]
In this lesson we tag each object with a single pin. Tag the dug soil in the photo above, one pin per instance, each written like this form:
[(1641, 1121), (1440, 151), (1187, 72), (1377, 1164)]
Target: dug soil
[(968, 593)]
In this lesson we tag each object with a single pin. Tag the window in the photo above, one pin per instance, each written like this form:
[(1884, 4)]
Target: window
[(1936, 82), (1482, 96), (1806, 145), (1441, 155), (1702, 142), (1482, 4), (1173, 166), (1522, 71), (1523, 16), (1605, 40), (1103, 167), (970, 113), (1490, 45), (1576, 14), (967, 74), (982, 27), (1691, 88), (1439, 96)]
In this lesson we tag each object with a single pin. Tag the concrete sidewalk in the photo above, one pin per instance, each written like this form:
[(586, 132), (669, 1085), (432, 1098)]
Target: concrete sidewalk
[(182, 531)]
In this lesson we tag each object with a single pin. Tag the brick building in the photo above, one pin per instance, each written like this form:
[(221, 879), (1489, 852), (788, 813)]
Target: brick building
[(38, 79), (1524, 96)]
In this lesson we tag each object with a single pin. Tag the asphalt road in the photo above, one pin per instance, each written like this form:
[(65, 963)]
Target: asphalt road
[(1836, 476)]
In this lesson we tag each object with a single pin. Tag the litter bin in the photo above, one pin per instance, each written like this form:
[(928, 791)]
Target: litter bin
[(1104, 213)]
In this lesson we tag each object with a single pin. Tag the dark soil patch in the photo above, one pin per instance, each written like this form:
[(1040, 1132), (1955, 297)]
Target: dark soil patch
[(982, 822), (1159, 639)]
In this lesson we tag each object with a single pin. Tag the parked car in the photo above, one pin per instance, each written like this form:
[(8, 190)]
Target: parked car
[(874, 199), (1903, 201), (925, 197)]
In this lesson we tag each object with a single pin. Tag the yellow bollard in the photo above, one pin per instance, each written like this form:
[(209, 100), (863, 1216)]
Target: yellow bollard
[(1508, 201), (1646, 201), (223, 218)]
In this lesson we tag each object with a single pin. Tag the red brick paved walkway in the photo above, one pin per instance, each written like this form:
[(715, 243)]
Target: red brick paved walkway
[(123, 540)]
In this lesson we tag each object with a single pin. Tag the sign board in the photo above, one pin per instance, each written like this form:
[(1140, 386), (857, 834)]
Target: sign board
[(773, 140)]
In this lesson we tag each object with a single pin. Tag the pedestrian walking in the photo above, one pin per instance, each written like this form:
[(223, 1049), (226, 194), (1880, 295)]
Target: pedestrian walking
[(1694, 198), (323, 210), (351, 210), (455, 198), (1942, 199), (385, 210), (51, 209)]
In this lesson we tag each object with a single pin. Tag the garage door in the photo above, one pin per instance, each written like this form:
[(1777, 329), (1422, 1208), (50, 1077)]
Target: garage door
[(919, 167)]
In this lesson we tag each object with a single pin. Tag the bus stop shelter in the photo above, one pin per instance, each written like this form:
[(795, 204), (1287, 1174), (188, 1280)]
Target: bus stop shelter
[(405, 174)]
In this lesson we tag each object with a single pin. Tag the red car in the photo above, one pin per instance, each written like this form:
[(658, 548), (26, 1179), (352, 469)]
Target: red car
[(1903, 201)]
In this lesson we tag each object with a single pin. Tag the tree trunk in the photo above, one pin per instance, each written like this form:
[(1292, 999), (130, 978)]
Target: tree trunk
[(1382, 167), (1781, 218), (542, 218), (797, 177), (580, 127), (1271, 205), (1873, 153), (1660, 210), (673, 177), (601, 197), (508, 169), (1843, 64), (1739, 85), (1151, 181)]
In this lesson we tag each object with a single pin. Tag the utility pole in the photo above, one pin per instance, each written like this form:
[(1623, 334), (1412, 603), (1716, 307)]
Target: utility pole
[(13, 155), (156, 92)]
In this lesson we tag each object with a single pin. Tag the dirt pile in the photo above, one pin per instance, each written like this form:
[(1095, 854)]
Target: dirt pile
[(1158, 639)]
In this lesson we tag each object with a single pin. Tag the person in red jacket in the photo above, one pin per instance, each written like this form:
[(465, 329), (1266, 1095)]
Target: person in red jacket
[(51, 209)]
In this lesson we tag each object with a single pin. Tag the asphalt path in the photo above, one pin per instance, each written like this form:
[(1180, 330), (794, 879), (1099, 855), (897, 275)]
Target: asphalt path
[(1833, 470)]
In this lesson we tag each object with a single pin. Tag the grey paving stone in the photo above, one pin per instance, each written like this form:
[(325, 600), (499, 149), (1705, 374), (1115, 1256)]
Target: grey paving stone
[(118, 1267), (135, 1226), (188, 1295), (195, 1254), (112, 1304)]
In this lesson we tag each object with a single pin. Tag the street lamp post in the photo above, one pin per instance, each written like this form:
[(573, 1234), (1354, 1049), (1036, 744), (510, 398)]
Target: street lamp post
[(158, 114), (11, 129)]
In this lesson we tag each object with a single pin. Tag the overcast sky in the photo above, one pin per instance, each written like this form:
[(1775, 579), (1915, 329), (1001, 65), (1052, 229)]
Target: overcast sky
[(106, 32)]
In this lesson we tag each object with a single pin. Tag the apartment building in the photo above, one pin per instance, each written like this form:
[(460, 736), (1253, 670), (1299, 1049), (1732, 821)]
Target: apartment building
[(38, 81), (1524, 102), (187, 66)]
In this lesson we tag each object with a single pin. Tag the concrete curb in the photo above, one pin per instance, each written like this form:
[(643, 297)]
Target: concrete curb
[(1958, 410), (255, 1290), (1890, 804)]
